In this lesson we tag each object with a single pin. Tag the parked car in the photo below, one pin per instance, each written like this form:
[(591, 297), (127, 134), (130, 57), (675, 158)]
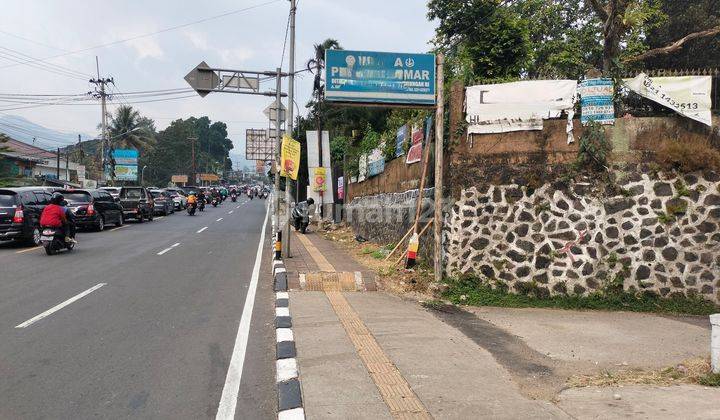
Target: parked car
[(20, 210), (178, 197), (137, 203), (114, 191), (163, 202), (93, 209)]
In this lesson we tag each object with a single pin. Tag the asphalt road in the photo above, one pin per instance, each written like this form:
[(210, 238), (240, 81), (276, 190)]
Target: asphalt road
[(153, 334)]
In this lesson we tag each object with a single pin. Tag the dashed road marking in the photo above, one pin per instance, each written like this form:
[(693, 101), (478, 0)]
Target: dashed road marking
[(59, 306), (120, 227), (202, 230), (168, 249), (219, 219), (231, 211)]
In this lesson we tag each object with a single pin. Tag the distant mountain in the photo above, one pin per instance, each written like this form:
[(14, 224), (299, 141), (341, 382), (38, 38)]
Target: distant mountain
[(24, 130)]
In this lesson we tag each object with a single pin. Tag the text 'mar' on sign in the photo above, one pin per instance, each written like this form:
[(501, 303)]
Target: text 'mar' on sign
[(380, 77)]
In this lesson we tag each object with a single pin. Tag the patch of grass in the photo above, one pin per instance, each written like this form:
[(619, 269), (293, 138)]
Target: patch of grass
[(477, 292), (542, 208), (711, 379), (367, 250), (665, 218), (691, 371), (433, 304), (379, 254), (682, 189)]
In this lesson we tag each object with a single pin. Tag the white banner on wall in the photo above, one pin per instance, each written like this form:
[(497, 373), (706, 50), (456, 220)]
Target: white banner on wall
[(519, 106), (686, 95), (312, 148)]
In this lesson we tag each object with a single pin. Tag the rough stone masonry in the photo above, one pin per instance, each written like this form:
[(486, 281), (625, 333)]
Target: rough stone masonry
[(661, 235)]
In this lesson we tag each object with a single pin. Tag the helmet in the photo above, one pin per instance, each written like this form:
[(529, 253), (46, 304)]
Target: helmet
[(310, 201), (57, 199)]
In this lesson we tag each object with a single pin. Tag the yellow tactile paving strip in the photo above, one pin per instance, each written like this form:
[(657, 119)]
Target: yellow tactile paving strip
[(322, 262), (394, 389)]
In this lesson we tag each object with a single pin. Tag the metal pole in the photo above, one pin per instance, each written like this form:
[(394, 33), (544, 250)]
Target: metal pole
[(290, 123), (194, 168), (58, 164), (278, 87), (103, 135), (67, 165), (439, 137)]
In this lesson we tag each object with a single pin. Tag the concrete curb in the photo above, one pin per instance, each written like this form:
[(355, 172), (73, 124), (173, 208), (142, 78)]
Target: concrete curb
[(290, 404)]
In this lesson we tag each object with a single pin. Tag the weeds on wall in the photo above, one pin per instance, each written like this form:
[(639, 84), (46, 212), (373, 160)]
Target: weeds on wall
[(594, 149), (680, 149)]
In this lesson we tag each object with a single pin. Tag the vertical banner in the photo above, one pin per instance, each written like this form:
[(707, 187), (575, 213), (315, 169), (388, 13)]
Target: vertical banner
[(415, 152), (362, 168), (376, 162), (341, 188), (312, 148), (319, 179), (289, 158), (400, 141), (596, 101)]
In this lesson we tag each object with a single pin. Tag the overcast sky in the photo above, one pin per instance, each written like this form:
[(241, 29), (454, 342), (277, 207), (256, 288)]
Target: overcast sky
[(250, 40)]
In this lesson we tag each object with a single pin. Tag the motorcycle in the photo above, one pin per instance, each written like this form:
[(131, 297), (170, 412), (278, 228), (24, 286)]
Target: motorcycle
[(201, 205), (215, 202), (233, 197), (53, 240), (301, 218), (191, 209)]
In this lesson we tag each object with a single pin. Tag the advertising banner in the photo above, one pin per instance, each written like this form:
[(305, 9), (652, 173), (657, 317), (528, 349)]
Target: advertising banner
[(400, 137), (596, 101), (376, 162), (289, 158), (379, 77), (519, 106), (362, 168), (319, 179), (341, 187), (126, 164), (686, 95), (312, 148), (179, 179), (415, 152)]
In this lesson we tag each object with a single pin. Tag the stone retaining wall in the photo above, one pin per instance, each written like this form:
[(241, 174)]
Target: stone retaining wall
[(385, 218), (660, 235)]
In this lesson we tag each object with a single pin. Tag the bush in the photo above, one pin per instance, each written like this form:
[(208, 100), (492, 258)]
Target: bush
[(594, 148)]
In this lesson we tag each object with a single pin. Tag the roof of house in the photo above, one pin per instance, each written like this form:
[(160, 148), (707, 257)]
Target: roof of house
[(27, 150)]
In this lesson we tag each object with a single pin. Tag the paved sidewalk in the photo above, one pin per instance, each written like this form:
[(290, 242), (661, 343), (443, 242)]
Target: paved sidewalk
[(450, 376), (371, 355)]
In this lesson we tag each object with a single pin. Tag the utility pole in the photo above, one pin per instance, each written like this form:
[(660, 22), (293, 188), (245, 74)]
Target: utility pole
[(67, 165), (318, 123), (58, 164), (193, 173), (278, 88), (105, 147), (290, 123), (439, 142)]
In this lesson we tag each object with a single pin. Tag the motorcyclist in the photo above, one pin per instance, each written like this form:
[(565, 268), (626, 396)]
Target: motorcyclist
[(54, 215), (192, 200)]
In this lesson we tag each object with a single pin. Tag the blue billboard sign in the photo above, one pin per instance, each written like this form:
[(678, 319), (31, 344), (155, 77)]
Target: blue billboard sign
[(379, 77), (126, 164)]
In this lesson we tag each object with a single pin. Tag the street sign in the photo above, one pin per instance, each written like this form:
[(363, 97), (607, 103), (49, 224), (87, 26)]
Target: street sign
[(202, 79), (242, 82), (258, 146), (271, 112), (380, 78)]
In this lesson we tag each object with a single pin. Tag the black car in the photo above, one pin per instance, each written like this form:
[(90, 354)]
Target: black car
[(163, 202), (93, 209), (137, 203), (20, 210)]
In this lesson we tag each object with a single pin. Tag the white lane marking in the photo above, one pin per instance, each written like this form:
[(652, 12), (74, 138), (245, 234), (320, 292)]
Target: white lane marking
[(59, 306), (160, 217), (219, 219), (282, 311), (120, 227), (286, 369), (284, 334), (231, 211), (228, 401), (237, 207), (168, 249), (202, 230), (282, 295)]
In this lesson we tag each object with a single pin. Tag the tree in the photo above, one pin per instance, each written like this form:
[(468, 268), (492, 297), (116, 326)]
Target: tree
[(128, 129), (480, 38), (626, 23), (3, 160)]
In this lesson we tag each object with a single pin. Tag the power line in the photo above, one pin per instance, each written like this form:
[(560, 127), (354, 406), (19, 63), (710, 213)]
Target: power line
[(56, 66), (20, 60), (171, 28)]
